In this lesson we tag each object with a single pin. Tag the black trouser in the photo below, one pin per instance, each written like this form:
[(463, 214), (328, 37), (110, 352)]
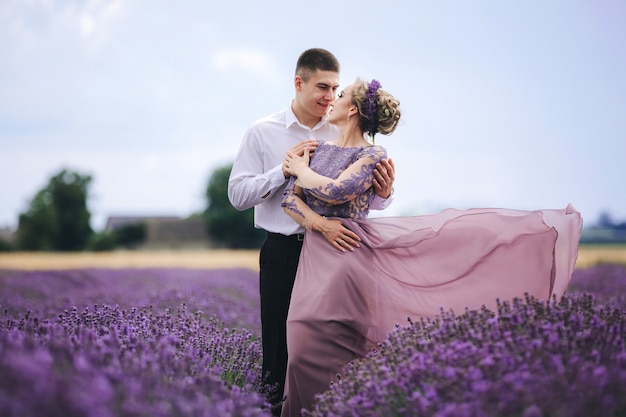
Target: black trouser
[(278, 265)]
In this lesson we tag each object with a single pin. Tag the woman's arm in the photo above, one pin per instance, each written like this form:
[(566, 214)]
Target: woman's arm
[(352, 182), (293, 204), (333, 230)]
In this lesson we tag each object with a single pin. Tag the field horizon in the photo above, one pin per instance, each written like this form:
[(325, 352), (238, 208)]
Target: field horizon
[(182, 258), (588, 255)]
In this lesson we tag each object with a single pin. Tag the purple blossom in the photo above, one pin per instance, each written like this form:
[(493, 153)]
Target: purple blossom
[(606, 281), (121, 343), (161, 342), (528, 358), (371, 108)]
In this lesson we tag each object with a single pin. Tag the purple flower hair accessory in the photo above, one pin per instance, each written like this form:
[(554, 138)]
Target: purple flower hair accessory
[(371, 108)]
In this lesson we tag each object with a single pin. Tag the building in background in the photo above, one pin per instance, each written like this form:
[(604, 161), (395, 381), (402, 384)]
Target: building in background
[(165, 232)]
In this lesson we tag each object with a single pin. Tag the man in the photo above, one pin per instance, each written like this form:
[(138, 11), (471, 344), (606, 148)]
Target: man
[(258, 180)]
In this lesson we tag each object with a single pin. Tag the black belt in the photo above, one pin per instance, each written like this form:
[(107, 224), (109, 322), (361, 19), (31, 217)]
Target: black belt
[(298, 236)]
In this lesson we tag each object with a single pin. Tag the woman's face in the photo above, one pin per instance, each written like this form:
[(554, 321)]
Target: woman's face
[(343, 107)]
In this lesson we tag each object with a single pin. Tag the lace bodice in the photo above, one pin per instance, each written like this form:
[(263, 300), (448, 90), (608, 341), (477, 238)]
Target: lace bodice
[(330, 161)]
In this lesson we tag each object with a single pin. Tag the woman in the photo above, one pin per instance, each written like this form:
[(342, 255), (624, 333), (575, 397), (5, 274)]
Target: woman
[(348, 295)]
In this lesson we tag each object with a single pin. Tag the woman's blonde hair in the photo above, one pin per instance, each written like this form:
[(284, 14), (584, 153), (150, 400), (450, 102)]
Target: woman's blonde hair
[(386, 115)]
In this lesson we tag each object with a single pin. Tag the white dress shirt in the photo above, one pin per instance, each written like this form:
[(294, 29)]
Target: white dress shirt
[(257, 179)]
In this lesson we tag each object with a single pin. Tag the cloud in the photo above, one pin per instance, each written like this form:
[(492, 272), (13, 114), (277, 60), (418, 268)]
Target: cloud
[(253, 61), (90, 19), (162, 94), (93, 17)]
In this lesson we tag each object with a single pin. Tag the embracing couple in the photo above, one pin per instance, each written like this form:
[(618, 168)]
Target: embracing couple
[(334, 283)]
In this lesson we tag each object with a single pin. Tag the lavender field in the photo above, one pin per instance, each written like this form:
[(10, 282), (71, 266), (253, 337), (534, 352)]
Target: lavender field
[(185, 342)]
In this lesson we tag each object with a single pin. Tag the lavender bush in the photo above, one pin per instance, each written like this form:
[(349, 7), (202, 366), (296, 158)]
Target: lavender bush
[(607, 282), (161, 342), (229, 294), (121, 349), (529, 359)]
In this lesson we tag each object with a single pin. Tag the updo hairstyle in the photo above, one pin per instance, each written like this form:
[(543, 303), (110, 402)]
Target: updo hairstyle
[(387, 109)]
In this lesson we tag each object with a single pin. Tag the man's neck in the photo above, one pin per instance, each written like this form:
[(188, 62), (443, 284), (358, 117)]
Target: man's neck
[(304, 118)]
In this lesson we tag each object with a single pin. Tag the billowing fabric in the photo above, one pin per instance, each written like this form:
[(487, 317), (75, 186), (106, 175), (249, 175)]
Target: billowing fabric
[(344, 303)]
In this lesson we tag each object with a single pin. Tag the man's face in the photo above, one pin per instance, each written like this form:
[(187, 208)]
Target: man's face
[(318, 93)]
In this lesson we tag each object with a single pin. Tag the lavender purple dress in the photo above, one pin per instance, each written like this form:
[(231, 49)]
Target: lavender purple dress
[(344, 303)]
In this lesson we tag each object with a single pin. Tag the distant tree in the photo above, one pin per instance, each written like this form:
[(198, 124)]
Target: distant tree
[(225, 224), (57, 218), (605, 220), (130, 235), (5, 245), (37, 227), (102, 241)]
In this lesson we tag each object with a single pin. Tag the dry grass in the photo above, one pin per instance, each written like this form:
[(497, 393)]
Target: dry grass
[(588, 255), (206, 259)]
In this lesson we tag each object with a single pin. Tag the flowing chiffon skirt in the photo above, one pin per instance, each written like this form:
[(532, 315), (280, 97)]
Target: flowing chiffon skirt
[(344, 303)]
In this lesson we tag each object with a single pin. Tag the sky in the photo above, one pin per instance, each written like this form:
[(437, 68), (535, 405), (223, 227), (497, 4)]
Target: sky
[(515, 104)]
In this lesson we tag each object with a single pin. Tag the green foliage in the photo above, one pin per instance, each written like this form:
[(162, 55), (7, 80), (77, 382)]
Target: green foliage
[(5, 246), (102, 242), (130, 235), (225, 224), (37, 228), (57, 218), (127, 236)]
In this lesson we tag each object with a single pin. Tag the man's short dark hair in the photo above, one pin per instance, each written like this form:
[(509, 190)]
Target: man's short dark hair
[(315, 59)]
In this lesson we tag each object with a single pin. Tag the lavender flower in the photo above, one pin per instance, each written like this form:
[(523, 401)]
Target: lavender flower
[(371, 108), (606, 281), (527, 358), (168, 342), (137, 357)]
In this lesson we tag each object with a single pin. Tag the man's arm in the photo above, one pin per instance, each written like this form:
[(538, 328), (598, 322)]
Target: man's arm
[(249, 183)]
